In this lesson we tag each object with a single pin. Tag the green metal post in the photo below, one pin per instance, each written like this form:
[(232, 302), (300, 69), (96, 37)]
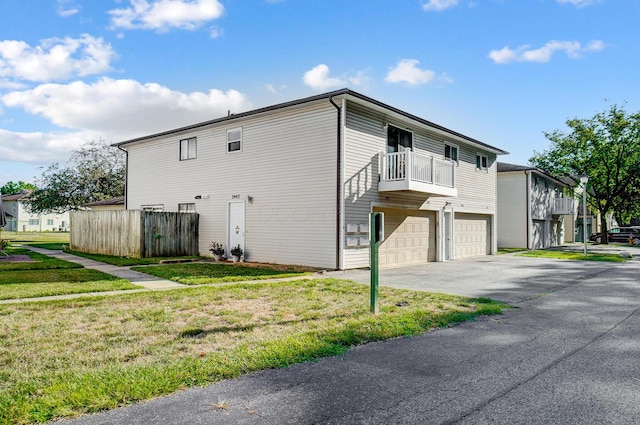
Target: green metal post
[(373, 263)]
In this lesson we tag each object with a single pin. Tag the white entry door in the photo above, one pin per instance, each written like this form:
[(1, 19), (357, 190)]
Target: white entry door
[(448, 228), (235, 229)]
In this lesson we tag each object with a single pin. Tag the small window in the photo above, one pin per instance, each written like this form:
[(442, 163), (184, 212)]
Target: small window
[(234, 140), (481, 162), (536, 181), (49, 222), (34, 222), (152, 208), (451, 152), (187, 208), (188, 149)]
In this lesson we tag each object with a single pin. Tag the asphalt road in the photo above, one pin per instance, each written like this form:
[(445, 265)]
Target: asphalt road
[(569, 353)]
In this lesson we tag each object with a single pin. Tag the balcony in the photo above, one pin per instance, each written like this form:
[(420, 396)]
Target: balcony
[(563, 206), (410, 171)]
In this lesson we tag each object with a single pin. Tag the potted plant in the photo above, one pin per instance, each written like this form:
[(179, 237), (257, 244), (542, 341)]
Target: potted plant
[(217, 250), (236, 253)]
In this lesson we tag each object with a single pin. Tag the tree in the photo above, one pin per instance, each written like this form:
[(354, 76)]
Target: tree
[(606, 148), (94, 172), (12, 187)]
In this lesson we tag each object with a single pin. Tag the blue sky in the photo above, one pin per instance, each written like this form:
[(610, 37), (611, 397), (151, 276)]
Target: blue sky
[(501, 71)]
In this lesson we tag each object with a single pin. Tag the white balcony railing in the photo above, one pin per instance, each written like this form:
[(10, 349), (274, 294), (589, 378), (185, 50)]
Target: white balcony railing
[(563, 206), (408, 170)]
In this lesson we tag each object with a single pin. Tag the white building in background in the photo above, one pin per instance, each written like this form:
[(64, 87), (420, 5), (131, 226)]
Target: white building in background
[(533, 211), (21, 220)]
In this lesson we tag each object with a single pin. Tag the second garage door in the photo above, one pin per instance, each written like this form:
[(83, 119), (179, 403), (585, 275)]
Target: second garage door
[(410, 237), (472, 235)]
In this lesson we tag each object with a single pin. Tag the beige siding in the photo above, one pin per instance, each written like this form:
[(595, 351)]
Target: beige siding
[(512, 210), (287, 166), (365, 138)]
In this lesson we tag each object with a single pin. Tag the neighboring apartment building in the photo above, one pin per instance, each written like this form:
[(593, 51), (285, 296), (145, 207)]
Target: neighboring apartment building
[(112, 204), (533, 211), (294, 183), (21, 220)]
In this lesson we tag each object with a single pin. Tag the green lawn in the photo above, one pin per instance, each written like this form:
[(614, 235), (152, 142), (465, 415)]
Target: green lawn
[(36, 237), (567, 255), (510, 250), (127, 261), (201, 273), (41, 262), (80, 283), (46, 276), (65, 358)]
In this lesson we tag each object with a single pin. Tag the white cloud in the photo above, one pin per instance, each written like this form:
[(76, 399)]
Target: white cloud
[(361, 78), (215, 33), (439, 5), (67, 8), (572, 49), (318, 78), (123, 108), (162, 15), (40, 148), (114, 110), (407, 71), (579, 3), (55, 59)]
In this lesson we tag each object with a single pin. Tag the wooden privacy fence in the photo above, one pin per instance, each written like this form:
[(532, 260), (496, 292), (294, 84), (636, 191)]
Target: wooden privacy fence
[(134, 233)]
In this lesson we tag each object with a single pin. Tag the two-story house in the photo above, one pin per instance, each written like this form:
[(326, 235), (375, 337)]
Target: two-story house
[(532, 208), (294, 183), (19, 219)]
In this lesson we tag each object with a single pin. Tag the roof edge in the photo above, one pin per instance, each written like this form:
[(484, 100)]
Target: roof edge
[(341, 92)]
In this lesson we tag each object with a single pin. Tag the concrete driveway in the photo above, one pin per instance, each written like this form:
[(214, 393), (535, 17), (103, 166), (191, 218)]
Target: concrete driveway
[(568, 354), (509, 278)]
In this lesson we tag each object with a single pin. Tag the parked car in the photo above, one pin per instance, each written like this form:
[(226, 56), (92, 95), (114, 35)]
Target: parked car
[(620, 235)]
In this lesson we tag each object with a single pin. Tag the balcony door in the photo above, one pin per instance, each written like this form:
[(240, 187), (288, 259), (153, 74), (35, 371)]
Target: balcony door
[(398, 140)]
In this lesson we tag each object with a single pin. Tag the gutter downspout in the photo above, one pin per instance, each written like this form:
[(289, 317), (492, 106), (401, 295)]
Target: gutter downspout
[(338, 182), (528, 206), (126, 175)]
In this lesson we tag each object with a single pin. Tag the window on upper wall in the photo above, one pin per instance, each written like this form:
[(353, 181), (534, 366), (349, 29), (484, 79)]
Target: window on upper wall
[(482, 163), (451, 152), (34, 222), (49, 222), (234, 140), (188, 149), (187, 208), (398, 139)]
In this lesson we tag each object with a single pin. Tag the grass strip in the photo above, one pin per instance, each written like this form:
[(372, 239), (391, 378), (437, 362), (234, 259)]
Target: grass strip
[(565, 255), (202, 273), (125, 261), (66, 358), (47, 289)]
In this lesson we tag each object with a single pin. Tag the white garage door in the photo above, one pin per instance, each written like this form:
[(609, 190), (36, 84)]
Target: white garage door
[(410, 237), (472, 235)]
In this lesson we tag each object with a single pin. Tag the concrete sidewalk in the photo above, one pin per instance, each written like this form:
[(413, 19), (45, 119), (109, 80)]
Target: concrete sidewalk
[(137, 278)]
